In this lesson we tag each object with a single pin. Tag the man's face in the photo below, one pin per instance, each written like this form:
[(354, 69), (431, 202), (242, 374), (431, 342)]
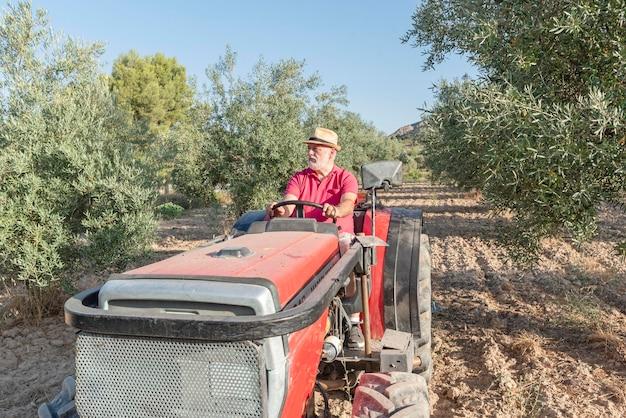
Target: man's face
[(320, 157)]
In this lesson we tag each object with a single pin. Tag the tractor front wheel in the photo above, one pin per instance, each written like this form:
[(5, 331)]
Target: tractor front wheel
[(393, 395)]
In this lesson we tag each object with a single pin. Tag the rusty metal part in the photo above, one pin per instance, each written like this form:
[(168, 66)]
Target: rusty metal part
[(328, 384), (369, 241), (351, 286), (339, 384)]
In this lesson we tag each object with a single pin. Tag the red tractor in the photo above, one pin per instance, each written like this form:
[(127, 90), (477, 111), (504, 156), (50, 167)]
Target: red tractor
[(249, 325)]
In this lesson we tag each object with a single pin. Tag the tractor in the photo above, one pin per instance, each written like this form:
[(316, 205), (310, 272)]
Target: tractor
[(252, 324)]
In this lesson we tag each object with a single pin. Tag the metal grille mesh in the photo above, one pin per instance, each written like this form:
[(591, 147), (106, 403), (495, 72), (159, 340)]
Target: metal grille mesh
[(120, 376)]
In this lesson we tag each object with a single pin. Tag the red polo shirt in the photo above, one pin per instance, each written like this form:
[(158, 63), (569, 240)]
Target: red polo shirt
[(306, 186)]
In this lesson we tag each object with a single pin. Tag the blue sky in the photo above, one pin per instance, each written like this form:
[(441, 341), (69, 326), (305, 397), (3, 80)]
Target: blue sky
[(349, 42)]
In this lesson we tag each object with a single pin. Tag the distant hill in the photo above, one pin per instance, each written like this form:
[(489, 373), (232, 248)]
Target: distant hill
[(406, 132), (414, 166)]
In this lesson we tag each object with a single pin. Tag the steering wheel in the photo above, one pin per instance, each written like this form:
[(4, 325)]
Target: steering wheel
[(300, 204)]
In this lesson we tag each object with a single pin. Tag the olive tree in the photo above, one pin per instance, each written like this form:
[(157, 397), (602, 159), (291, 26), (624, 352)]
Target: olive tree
[(541, 131), (68, 192), (247, 137)]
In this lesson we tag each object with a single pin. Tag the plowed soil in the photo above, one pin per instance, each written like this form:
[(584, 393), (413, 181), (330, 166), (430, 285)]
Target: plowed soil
[(546, 342)]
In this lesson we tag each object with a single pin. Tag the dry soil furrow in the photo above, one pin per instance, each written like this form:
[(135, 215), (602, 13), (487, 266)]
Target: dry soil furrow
[(511, 343)]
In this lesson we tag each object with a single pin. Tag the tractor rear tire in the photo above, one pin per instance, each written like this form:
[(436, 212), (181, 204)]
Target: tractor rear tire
[(425, 296), (393, 395), (407, 284), (423, 344), (406, 276), (425, 328)]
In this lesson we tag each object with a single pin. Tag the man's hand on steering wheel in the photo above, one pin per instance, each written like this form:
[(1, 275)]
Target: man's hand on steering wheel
[(275, 212), (329, 211)]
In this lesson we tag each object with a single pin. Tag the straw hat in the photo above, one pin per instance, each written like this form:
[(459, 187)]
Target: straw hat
[(323, 136)]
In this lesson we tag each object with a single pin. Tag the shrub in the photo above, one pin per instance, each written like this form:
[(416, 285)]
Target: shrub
[(180, 199), (68, 191), (169, 210)]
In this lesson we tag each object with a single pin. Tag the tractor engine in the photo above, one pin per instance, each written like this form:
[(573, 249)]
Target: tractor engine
[(172, 334)]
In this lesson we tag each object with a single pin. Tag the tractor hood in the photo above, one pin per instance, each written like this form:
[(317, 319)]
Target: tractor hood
[(288, 260)]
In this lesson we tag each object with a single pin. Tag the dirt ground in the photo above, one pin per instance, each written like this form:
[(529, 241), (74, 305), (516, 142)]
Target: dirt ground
[(547, 342)]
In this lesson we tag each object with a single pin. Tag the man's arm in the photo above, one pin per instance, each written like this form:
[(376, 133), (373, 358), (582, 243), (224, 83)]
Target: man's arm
[(349, 189), (344, 208)]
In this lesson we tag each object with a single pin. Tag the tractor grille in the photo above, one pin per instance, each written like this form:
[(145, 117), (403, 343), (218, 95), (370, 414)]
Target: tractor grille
[(120, 376)]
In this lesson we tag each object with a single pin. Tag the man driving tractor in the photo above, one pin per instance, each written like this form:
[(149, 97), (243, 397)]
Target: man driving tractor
[(249, 318), (322, 182), (334, 188)]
